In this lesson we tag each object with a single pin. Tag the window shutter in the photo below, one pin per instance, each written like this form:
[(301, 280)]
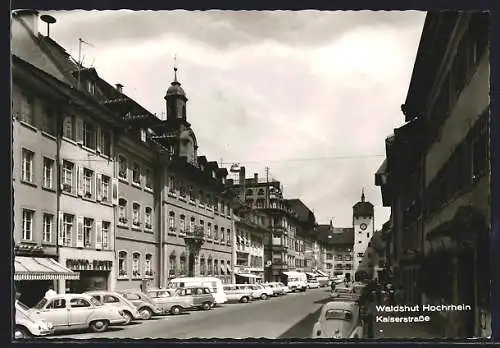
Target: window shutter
[(98, 186), (98, 139), (79, 130), (114, 189), (98, 234), (79, 232), (61, 171), (79, 180), (61, 229)]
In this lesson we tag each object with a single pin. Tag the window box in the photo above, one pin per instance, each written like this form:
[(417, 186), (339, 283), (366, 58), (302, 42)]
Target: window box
[(123, 220), (88, 195), (123, 274), (148, 226), (122, 175), (136, 223), (149, 273), (136, 274), (173, 229), (67, 188)]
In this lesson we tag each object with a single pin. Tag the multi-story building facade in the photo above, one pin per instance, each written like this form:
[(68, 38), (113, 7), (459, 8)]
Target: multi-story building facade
[(284, 248), (338, 243), (251, 231), (449, 97), (81, 133)]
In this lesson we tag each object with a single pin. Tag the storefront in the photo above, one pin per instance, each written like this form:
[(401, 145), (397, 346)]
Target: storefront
[(34, 275), (96, 271)]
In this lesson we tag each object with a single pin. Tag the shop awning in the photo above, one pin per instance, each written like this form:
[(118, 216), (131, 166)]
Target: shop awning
[(39, 268), (321, 273), (247, 275)]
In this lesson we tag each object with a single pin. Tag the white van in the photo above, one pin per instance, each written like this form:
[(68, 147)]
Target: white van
[(295, 281), (214, 284)]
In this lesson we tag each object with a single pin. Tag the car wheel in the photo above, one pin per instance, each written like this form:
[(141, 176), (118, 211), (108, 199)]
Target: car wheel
[(146, 313), (244, 300), (176, 310), (263, 297), (21, 333), (128, 316), (206, 306), (99, 325)]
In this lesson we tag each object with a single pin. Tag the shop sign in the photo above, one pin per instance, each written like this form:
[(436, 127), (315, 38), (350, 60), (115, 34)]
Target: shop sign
[(89, 265)]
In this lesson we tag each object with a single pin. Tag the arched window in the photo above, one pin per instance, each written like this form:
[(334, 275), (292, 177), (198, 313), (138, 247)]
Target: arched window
[(136, 265), (122, 264), (148, 213), (183, 268), (122, 211), (148, 265), (136, 214)]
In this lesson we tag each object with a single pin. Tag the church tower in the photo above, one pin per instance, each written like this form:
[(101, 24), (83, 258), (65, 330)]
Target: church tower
[(176, 100), (183, 143), (363, 222)]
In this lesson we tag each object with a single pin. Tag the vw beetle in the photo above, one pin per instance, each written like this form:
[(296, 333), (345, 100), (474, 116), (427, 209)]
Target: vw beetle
[(339, 320)]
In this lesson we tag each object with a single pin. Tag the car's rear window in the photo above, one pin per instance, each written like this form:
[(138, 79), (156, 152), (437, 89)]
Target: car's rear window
[(41, 303), (338, 314)]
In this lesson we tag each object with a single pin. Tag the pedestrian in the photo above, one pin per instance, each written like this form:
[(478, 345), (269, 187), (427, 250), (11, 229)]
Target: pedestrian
[(50, 292)]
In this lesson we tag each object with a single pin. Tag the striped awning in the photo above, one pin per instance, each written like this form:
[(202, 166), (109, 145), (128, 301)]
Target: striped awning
[(39, 268)]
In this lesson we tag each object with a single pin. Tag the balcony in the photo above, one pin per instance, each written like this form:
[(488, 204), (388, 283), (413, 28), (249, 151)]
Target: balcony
[(198, 234)]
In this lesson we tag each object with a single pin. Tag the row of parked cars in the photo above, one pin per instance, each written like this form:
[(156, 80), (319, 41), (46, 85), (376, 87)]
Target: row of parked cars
[(98, 310)]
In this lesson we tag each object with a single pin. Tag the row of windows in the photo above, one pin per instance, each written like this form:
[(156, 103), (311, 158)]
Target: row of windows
[(222, 234), (467, 164), (179, 188), (83, 131), (74, 179), (139, 267), (81, 232), (471, 48), (138, 215), (140, 176), (207, 266)]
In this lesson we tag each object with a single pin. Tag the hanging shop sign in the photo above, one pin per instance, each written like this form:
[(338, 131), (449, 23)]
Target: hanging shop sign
[(89, 265)]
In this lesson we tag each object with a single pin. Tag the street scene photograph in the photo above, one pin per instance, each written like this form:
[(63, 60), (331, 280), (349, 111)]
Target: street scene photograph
[(320, 175)]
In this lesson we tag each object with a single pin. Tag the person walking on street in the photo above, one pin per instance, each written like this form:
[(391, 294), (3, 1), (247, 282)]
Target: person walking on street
[(50, 292)]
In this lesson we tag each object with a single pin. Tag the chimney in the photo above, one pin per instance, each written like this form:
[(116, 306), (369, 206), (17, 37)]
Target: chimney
[(119, 87), (30, 17), (242, 184), (256, 178)]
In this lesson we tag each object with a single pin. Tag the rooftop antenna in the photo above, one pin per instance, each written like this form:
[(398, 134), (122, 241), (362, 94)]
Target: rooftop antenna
[(49, 20), (80, 61)]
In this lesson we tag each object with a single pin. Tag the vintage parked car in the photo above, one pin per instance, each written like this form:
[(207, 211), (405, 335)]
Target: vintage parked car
[(168, 300), (266, 290), (29, 324), (277, 289), (78, 311), (341, 290), (145, 305), (118, 301), (238, 293), (339, 319), (313, 284), (285, 288), (198, 297), (257, 292)]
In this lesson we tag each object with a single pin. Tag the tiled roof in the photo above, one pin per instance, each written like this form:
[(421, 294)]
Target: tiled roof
[(339, 235)]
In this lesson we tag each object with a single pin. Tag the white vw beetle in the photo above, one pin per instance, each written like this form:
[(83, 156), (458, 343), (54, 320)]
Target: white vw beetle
[(339, 319), (29, 324), (78, 311)]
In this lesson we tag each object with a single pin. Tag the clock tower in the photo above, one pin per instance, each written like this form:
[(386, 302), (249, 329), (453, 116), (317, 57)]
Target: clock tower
[(363, 223)]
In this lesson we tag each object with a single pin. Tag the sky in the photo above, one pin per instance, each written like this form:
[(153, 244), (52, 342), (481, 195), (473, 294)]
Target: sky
[(310, 94)]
